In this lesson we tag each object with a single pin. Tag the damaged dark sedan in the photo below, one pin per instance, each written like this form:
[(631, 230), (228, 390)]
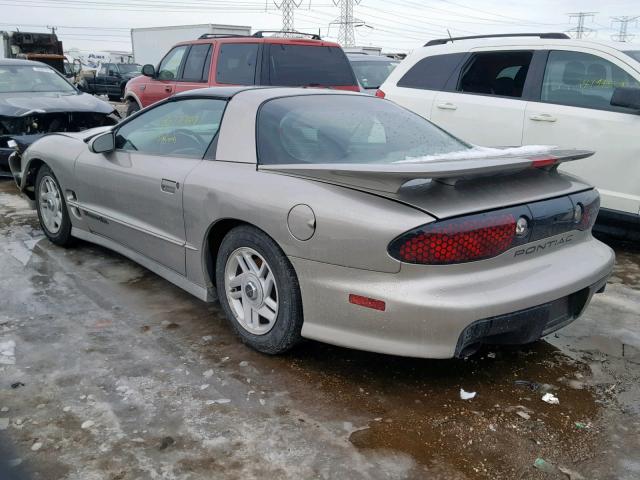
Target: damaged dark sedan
[(36, 100)]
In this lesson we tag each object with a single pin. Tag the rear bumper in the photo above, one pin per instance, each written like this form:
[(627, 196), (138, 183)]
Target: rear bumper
[(429, 308)]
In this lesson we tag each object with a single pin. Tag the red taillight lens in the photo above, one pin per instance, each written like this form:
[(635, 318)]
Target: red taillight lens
[(590, 203), (380, 94), (459, 240)]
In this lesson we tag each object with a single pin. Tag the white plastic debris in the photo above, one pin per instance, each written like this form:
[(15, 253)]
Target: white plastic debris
[(208, 374), (466, 395), (220, 401), (550, 398), (4, 423), (8, 352), (244, 363), (204, 387), (491, 355), (87, 424), (36, 446)]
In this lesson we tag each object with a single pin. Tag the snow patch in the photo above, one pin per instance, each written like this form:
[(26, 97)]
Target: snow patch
[(482, 152)]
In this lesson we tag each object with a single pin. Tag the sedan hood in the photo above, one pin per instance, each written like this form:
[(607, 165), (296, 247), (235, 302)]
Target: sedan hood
[(22, 103)]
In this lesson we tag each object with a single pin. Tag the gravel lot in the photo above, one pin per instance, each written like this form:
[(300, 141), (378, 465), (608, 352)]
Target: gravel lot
[(109, 372)]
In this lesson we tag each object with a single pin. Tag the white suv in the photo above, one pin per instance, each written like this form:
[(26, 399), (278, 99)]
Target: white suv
[(533, 89)]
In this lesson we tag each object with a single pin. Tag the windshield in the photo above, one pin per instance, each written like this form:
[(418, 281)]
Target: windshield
[(635, 54), (32, 78), (345, 129), (129, 67), (301, 65), (373, 74)]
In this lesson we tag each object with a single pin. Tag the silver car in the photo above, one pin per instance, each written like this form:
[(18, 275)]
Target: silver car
[(328, 215)]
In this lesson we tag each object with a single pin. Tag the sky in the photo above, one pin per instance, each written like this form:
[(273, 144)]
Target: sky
[(394, 25)]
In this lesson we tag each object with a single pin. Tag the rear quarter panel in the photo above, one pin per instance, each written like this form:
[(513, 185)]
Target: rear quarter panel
[(352, 228)]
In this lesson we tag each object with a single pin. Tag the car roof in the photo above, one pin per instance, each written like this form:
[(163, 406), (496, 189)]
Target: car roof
[(19, 61), (363, 57), (265, 91)]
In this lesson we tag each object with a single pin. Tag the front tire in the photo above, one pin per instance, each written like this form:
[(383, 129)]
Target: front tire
[(52, 208), (258, 291), (132, 107)]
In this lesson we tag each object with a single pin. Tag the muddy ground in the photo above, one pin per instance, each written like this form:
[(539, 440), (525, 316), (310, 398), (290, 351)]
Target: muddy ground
[(118, 375)]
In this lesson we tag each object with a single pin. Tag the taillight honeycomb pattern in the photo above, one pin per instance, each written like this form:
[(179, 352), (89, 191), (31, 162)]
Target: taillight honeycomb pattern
[(460, 240)]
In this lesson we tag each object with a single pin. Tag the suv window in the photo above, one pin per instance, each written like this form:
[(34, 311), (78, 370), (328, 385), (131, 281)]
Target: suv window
[(304, 65), (103, 69), (583, 80), (181, 128), (431, 73), (496, 73), (168, 69), (237, 63), (194, 65)]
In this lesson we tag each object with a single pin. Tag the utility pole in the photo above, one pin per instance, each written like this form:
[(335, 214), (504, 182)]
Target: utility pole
[(623, 35), (580, 31), (287, 7), (346, 22)]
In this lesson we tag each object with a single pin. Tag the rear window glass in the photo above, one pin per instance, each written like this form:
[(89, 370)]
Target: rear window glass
[(431, 73), (372, 74), (345, 129), (194, 66), (302, 65), (635, 54), (237, 63)]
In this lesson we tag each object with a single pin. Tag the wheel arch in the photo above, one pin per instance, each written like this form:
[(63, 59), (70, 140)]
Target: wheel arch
[(28, 180), (130, 96)]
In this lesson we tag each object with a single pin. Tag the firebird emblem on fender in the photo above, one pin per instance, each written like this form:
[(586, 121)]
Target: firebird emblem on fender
[(544, 246)]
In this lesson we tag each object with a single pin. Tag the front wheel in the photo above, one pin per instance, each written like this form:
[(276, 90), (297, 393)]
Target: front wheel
[(52, 208), (132, 107), (259, 291)]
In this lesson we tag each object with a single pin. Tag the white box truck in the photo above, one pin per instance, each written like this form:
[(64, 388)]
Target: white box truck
[(151, 44)]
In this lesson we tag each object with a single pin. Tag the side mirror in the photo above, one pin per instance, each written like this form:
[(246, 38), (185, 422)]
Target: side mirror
[(149, 70), (627, 97), (103, 143)]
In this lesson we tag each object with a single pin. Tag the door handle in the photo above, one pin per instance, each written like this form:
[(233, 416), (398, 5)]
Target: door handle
[(542, 117), (447, 106), (168, 88), (169, 186)]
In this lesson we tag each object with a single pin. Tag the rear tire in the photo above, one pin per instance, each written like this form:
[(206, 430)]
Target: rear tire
[(52, 208), (258, 291), (132, 107)]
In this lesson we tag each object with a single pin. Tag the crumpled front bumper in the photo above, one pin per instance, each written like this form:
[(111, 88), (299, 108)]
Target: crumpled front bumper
[(428, 308)]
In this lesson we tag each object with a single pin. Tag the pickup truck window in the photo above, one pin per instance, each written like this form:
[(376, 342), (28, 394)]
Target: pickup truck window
[(194, 65), (237, 63)]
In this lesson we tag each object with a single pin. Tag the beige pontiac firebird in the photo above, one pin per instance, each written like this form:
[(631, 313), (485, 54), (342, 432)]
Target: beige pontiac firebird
[(328, 215)]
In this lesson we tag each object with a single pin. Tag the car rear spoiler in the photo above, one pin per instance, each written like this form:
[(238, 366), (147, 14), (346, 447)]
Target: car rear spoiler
[(391, 177)]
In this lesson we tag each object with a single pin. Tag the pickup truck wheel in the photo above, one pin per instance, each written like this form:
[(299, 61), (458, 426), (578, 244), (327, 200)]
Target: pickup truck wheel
[(132, 107), (258, 291), (52, 208)]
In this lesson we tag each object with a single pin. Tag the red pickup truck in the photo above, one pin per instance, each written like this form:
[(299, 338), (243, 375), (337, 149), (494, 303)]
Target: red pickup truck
[(222, 60)]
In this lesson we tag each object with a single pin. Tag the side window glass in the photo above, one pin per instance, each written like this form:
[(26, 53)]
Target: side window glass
[(237, 63), (496, 73), (194, 65), (431, 73), (183, 128), (583, 80), (103, 69), (170, 64), (112, 69)]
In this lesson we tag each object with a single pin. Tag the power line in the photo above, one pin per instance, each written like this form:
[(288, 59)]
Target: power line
[(580, 30), (623, 35)]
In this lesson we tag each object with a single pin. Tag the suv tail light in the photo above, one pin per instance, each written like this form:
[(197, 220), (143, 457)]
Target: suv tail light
[(380, 94)]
